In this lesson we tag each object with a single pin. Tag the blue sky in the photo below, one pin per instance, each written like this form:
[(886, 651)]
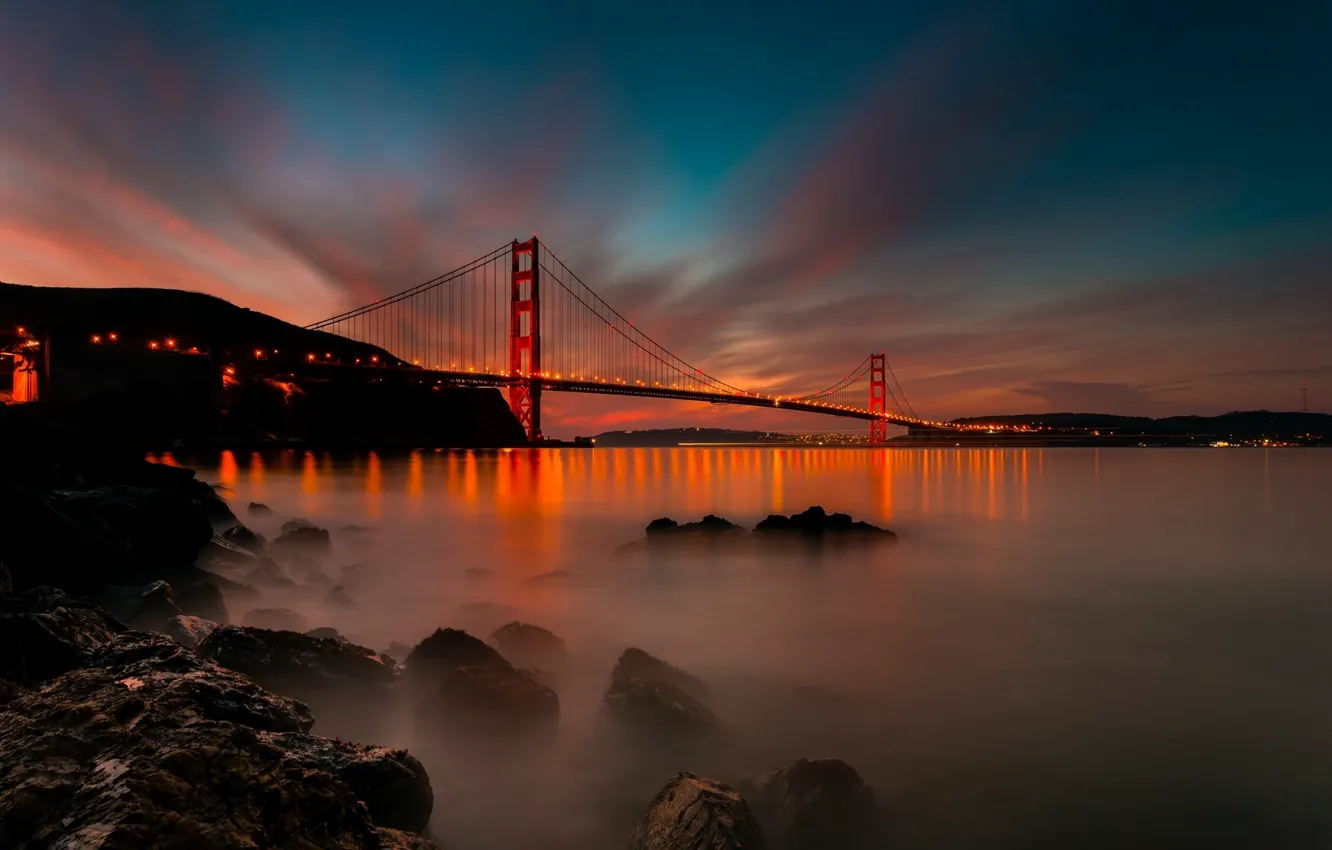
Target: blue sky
[(1030, 205)]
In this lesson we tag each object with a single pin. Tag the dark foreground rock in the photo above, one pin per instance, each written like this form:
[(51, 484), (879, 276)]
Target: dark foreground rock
[(814, 522), (300, 535), (650, 696), (45, 632), (188, 631), (157, 747), (815, 804), (530, 646), (693, 813), (710, 527), (458, 679), (393, 785), (298, 665), (259, 509)]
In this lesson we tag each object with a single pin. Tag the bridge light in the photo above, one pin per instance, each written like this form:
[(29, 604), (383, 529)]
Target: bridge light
[(170, 343), (153, 345), (193, 350), (96, 338), (112, 336), (258, 352), (374, 358), (310, 357)]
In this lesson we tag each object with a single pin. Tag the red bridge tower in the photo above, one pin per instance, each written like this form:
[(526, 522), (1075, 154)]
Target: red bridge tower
[(525, 337), (878, 401)]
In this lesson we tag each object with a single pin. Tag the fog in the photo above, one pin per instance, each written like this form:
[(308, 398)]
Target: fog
[(1064, 648)]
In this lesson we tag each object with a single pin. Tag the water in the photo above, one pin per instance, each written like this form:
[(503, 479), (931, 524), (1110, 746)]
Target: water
[(1091, 648)]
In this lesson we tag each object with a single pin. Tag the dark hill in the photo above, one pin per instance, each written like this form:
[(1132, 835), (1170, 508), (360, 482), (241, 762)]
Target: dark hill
[(1237, 425), (192, 319)]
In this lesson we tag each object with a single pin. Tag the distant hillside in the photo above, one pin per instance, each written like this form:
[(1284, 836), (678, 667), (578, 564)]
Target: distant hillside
[(192, 319), (676, 436), (1238, 425)]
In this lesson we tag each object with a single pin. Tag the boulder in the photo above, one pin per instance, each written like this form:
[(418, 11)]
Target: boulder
[(157, 747), (277, 619), (300, 535), (815, 804), (296, 664), (814, 522), (393, 785), (324, 632), (243, 537), (530, 646), (634, 663), (153, 608), (710, 525), (458, 679), (45, 632), (188, 631), (203, 597), (693, 813), (269, 575), (657, 708), (258, 509)]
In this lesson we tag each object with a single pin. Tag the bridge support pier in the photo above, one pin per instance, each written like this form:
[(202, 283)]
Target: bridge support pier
[(878, 401), (525, 338)]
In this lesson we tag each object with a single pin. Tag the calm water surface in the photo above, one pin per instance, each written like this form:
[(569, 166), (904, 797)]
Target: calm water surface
[(1065, 648)]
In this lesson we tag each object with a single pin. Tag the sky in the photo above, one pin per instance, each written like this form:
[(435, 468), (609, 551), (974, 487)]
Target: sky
[(1115, 206)]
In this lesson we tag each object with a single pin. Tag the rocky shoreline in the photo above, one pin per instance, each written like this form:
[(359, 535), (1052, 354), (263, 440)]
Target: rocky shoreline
[(138, 710)]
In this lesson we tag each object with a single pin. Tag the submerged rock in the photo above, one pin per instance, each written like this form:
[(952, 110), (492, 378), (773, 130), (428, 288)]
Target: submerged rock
[(188, 631), (815, 804), (277, 619), (693, 813), (297, 664), (259, 509), (243, 537), (648, 695), (530, 646), (815, 522), (665, 527), (301, 535), (457, 678), (634, 663)]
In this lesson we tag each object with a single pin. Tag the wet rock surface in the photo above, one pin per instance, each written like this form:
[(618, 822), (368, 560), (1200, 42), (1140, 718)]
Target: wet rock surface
[(635, 663), (815, 804), (259, 509), (297, 664), (693, 813), (245, 538), (711, 526), (156, 604), (457, 678)]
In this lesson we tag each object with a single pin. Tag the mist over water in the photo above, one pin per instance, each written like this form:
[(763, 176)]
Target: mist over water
[(1064, 647)]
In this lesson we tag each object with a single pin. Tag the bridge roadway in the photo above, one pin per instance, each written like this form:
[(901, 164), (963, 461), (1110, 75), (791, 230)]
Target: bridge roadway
[(407, 373)]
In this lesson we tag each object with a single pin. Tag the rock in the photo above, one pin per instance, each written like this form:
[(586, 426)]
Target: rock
[(816, 804), (269, 574), (301, 535), (187, 630), (662, 525), (44, 632), (461, 680), (398, 649), (298, 665), (305, 568), (551, 577), (709, 525), (657, 708), (530, 646), (277, 619), (182, 683), (203, 598), (258, 509), (693, 813), (338, 597), (648, 695), (634, 663), (154, 607), (814, 522), (157, 747), (393, 785), (245, 538), (325, 632)]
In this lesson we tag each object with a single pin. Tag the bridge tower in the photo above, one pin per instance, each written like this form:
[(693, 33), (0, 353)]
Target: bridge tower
[(525, 337), (878, 400)]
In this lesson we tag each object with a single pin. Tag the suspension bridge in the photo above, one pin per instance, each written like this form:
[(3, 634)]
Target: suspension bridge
[(519, 319)]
